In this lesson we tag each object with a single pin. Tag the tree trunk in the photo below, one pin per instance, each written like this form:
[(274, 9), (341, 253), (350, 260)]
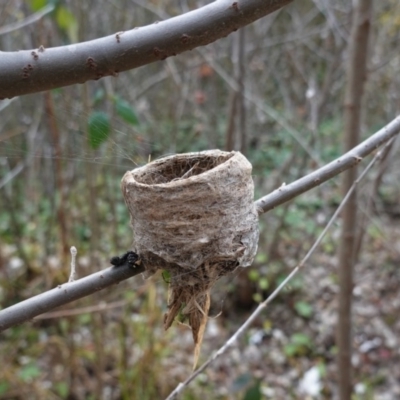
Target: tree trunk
[(356, 75)]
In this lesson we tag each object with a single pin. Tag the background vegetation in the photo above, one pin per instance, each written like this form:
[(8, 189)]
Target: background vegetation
[(273, 90)]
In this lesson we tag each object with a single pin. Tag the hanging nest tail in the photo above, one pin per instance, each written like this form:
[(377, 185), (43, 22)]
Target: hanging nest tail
[(193, 215)]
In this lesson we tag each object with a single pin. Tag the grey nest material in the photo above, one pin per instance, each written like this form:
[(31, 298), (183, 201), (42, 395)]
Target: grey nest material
[(193, 215)]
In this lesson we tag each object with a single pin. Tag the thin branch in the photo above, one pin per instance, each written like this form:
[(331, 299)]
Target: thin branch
[(27, 21), (35, 70), (102, 306), (64, 294), (233, 339), (346, 161), (72, 275), (5, 103), (12, 174), (68, 292)]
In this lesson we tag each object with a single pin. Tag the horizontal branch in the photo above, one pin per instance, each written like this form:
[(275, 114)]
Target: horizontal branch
[(31, 71), (346, 161), (64, 294), (68, 292)]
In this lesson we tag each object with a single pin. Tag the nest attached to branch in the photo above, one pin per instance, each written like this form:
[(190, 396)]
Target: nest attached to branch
[(193, 215)]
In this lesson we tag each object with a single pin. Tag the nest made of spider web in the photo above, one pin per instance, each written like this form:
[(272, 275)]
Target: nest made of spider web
[(193, 215)]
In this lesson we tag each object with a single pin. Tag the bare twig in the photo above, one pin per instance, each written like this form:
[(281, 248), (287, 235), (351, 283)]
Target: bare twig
[(102, 306), (27, 21), (5, 103), (366, 216), (233, 339), (64, 294), (335, 167), (73, 264), (12, 174)]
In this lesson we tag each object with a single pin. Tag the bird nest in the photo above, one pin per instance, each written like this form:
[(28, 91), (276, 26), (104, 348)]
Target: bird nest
[(193, 215)]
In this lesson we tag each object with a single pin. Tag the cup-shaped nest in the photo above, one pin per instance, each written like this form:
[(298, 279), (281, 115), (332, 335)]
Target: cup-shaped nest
[(193, 215)]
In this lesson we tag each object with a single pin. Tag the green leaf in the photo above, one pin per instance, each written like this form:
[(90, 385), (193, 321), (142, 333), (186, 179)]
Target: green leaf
[(99, 128), (166, 276), (181, 317), (254, 275), (36, 5), (84, 319), (126, 112), (301, 339), (322, 369), (3, 387), (257, 297), (263, 283), (303, 309), (261, 258), (29, 372), (68, 23), (253, 393), (62, 389), (299, 344), (290, 349)]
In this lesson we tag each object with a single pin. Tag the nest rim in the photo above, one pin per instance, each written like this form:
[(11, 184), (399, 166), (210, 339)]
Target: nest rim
[(168, 161)]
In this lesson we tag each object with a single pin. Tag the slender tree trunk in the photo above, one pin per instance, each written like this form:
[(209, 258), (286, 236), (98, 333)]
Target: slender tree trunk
[(356, 75)]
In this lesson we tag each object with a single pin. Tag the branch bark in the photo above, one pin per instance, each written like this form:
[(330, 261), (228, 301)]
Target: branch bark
[(35, 70), (68, 292), (335, 167), (64, 294)]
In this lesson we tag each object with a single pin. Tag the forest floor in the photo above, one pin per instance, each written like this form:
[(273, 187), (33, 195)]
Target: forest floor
[(291, 353)]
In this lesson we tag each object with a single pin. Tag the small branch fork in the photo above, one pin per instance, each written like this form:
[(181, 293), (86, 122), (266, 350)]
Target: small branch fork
[(233, 339)]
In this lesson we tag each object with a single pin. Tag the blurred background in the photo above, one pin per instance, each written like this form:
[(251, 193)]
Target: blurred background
[(273, 90)]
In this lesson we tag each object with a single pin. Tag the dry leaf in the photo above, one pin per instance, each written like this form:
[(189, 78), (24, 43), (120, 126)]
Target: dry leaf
[(198, 321)]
